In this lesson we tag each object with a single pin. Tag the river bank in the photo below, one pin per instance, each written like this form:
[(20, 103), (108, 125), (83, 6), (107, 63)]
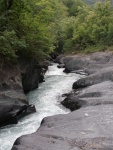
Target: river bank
[(15, 82), (89, 127), (46, 99)]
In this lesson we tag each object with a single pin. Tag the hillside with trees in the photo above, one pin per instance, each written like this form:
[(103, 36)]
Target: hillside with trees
[(91, 28), (34, 29), (29, 29)]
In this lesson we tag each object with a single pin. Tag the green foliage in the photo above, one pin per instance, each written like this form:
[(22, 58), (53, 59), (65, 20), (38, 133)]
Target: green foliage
[(34, 29), (9, 44), (91, 27), (97, 48), (73, 6), (30, 29)]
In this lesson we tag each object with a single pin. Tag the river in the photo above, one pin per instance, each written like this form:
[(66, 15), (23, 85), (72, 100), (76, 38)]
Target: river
[(47, 101)]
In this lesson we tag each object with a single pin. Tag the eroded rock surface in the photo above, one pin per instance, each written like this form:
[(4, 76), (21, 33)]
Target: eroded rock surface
[(104, 74), (89, 128), (98, 94)]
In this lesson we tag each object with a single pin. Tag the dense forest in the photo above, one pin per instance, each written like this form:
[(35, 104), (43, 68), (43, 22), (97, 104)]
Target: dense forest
[(34, 29)]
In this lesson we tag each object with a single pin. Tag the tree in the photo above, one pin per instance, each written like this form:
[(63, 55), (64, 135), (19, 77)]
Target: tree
[(30, 29)]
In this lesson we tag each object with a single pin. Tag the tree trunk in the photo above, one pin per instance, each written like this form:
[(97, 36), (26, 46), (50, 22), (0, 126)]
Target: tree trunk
[(9, 4)]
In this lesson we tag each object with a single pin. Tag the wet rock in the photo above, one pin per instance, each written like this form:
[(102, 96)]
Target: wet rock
[(81, 72), (9, 108), (28, 110), (61, 66), (85, 129), (41, 78), (13, 102), (31, 77)]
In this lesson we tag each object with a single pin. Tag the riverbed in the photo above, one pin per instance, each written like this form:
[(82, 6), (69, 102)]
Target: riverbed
[(47, 102)]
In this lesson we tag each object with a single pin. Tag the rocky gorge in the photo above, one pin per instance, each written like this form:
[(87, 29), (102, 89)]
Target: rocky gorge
[(89, 125)]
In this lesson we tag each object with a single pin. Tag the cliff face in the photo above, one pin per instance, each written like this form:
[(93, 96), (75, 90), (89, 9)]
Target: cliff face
[(32, 74), (14, 82)]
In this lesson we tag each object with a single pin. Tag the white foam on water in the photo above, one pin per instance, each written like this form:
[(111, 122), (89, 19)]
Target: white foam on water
[(47, 102)]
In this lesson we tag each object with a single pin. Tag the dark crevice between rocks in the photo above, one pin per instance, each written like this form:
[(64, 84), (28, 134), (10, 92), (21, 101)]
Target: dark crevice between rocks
[(77, 86), (73, 105), (32, 77)]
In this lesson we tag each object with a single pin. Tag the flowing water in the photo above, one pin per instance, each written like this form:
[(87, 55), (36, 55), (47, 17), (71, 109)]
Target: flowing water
[(47, 101)]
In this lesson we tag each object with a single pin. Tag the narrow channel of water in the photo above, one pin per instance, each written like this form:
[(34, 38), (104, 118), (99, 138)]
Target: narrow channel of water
[(47, 101)]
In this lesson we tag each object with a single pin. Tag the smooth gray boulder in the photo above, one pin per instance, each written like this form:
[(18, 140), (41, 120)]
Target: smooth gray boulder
[(97, 94), (89, 128), (75, 63), (13, 103), (59, 59), (104, 74), (61, 66), (88, 63), (101, 57)]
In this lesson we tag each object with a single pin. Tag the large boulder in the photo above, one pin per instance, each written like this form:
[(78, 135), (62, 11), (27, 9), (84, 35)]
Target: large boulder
[(85, 129), (61, 66), (88, 63), (59, 59), (101, 57), (13, 102), (97, 94), (102, 75), (75, 63), (98, 61), (31, 76)]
